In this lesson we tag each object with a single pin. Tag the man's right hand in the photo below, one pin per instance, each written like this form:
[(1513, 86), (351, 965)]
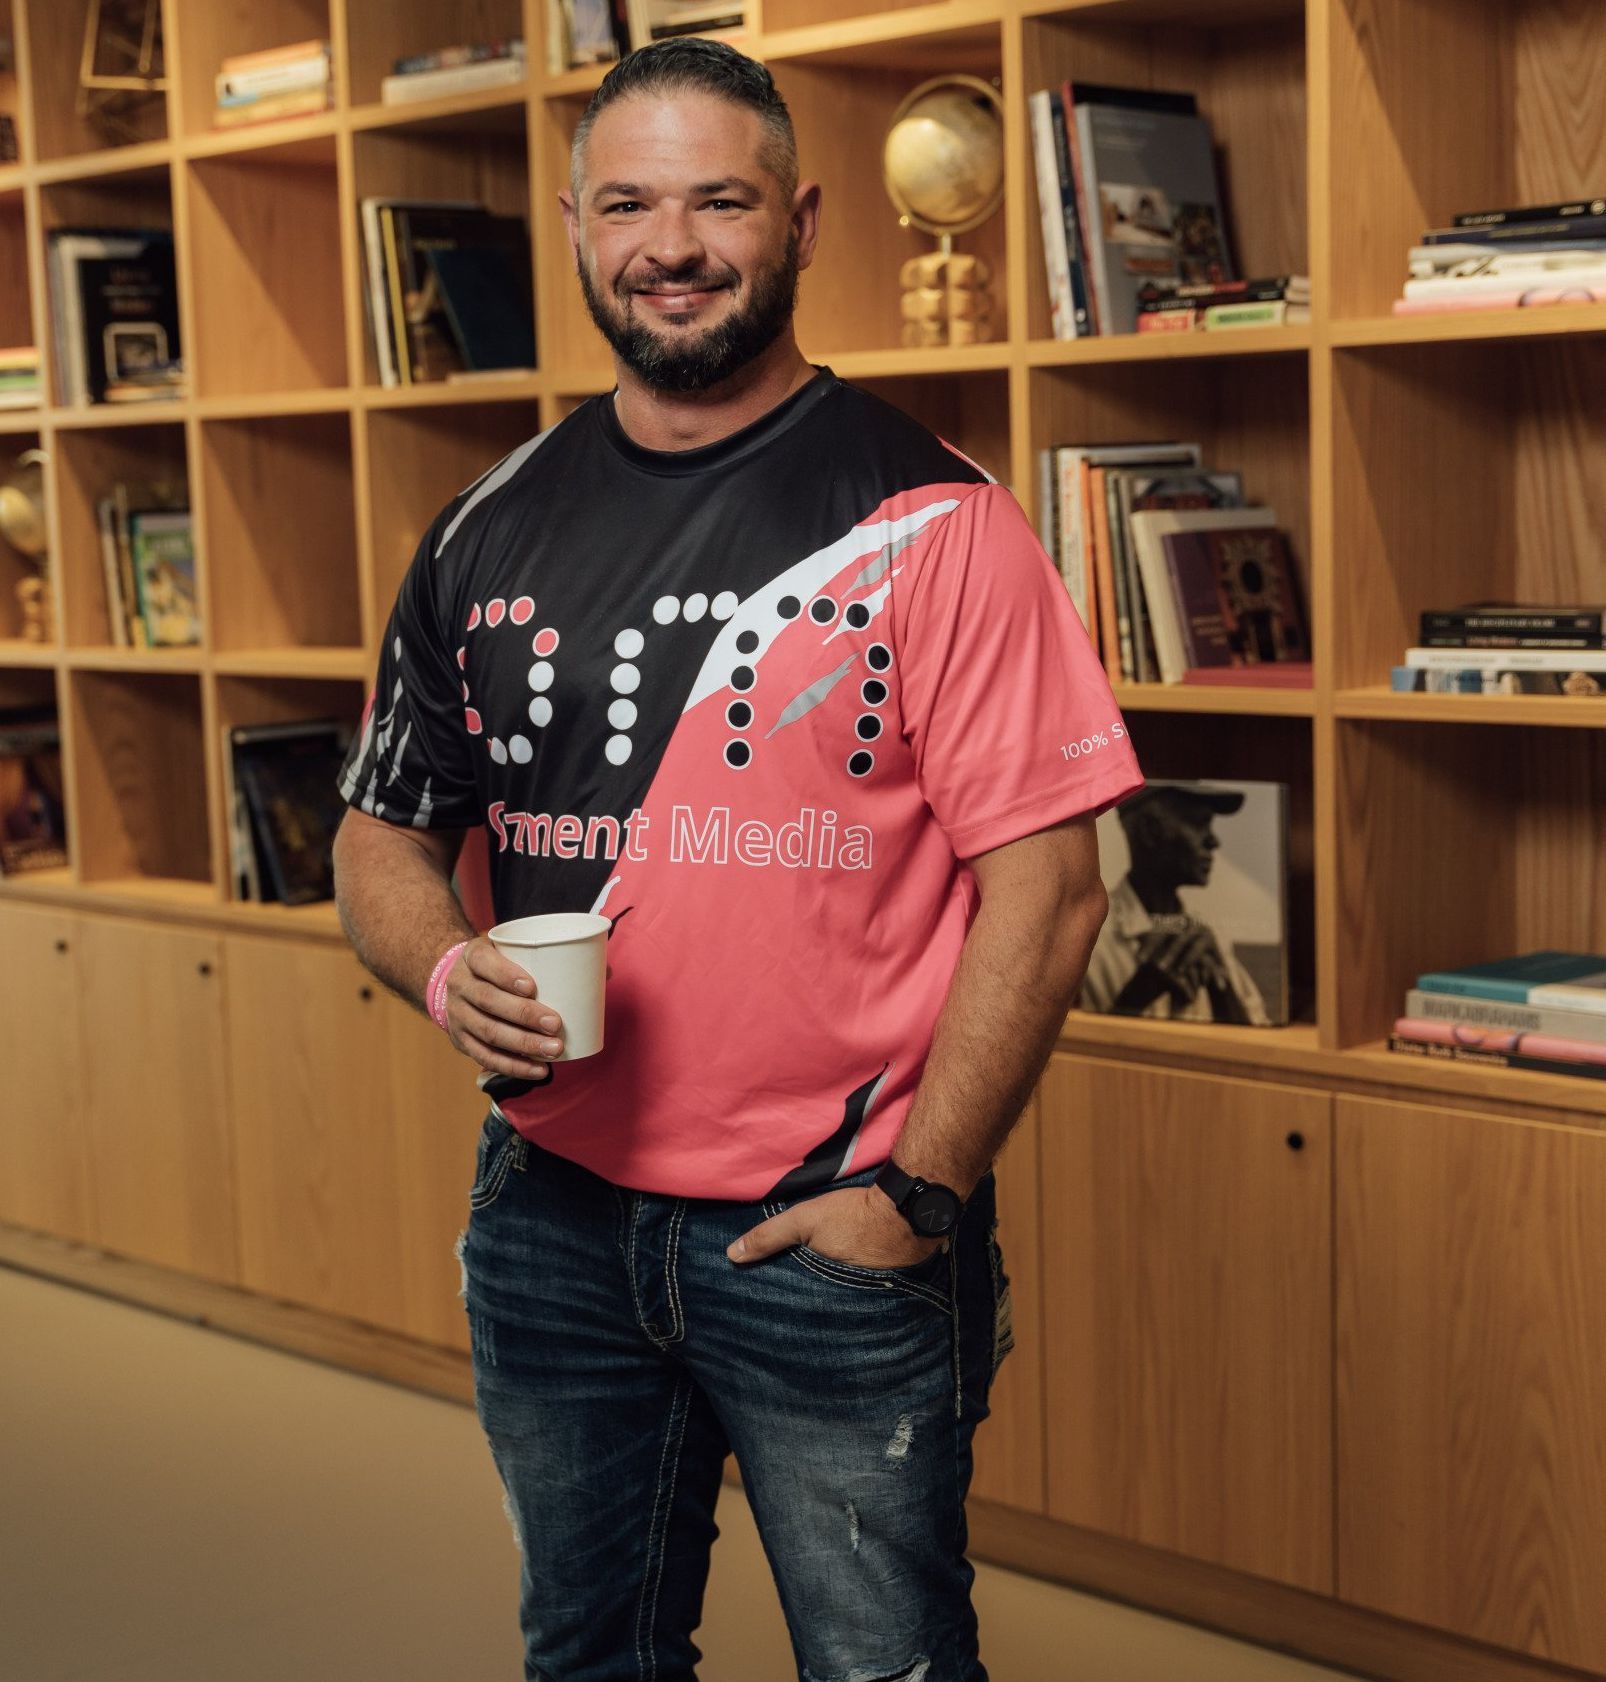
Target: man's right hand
[(494, 1017)]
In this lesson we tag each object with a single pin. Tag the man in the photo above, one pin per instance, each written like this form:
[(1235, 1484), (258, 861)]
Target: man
[(1153, 958), (751, 663)]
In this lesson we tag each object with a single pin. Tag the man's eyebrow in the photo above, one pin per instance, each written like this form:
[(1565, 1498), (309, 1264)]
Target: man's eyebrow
[(625, 189), (701, 189), (738, 182)]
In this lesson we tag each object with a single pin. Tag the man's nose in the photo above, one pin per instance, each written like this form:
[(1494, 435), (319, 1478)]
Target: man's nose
[(672, 243)]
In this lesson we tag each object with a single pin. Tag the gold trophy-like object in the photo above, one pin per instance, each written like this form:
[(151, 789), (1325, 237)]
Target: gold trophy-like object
[(943, 165)]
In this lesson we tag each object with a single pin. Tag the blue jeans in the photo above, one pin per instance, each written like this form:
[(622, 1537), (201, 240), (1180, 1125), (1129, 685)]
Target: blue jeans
[(619, 1356)]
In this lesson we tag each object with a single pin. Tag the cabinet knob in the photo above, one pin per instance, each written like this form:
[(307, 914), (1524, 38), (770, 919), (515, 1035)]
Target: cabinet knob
[(61, 945), (203, 968), (1296, 1141), (365, 994)]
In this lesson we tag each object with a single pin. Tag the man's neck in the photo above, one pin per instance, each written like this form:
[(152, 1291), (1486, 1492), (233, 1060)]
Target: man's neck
[(665, 420)]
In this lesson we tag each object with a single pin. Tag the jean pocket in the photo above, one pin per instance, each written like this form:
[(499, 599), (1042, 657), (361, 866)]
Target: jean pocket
[(1003, 1312), (930, 1280), (501, 1149)]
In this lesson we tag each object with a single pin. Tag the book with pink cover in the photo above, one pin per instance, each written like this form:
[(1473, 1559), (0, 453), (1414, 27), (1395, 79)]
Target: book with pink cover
[(1555, 1046)]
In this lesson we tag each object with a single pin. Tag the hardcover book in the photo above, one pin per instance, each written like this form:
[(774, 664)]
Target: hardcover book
[(164, 575), (33, 823), (288, 774), (1154, 202), (1545, 979), (1198, 926)]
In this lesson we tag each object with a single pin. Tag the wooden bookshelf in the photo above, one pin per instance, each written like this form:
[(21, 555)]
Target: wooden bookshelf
[(1412, 461)]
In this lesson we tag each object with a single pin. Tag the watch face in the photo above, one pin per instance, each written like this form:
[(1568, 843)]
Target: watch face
[(931, 1211)]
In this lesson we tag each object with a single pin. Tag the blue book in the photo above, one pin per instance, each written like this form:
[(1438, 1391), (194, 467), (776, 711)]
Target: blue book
[(1517, 979)]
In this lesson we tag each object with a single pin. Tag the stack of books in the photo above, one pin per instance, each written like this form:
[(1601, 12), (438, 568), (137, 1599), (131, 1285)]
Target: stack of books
[(19, 378), (1175, 578), (1129, 200), (454, 70), (658, 20), (582, 32), (147, 554), (33, 820), (449, 292), (283, 803), (1543, 1010), (1283, 301), (114, 293), (1523, 258), (292, 81), (1507, 648)]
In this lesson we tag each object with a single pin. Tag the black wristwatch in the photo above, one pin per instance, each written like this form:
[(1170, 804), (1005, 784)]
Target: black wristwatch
[(933, 1211)]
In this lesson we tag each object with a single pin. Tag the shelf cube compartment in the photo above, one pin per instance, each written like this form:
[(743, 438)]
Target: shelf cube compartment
[(418, 460), (1249, 78), (1462, 473), (243, 701), (280, 533), (62, 128), (379, 32), (90, 461), (1534, 134), (212, 32), (138, 777), (968, 411), (16, 288), (125, 199), (480, 157), (1189, 746), (1461, 843), (265, 257)]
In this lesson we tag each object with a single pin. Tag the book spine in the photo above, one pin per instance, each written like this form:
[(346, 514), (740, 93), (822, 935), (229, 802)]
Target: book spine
[(441, 84), (1566, 995), (1055, 260), (1483, 1038), (448, 58), (1507, 659), (1495, 1059), (1524, 622), (1476, 986), (291, 53), (1484, 1013), (1089, 246), (398, 315), (300, 104), (1475, 639), (1246, 315), (1169, 320), (1530, 213), (1070, 223), (1574, 228), (274, 78)]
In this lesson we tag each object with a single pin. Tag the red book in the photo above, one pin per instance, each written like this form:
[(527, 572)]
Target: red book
[(1271, 674)]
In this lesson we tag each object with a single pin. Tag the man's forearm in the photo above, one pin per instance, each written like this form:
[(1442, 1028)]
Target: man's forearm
[(1016, 976), (396, 904)]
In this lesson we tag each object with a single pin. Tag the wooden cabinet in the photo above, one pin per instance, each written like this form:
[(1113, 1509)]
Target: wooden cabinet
[(315, 1161), (44, 1160), (1471, 1355), (1186, 1280), (1009, 1443), (150, 1001)]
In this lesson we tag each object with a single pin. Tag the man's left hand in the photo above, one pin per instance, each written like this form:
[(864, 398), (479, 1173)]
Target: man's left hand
[(858, 1225)]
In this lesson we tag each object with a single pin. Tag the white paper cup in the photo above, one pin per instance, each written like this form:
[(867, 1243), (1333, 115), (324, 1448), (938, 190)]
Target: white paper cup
[(566, 955)]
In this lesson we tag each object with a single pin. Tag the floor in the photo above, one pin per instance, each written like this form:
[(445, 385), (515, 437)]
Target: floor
[(177, 1505)]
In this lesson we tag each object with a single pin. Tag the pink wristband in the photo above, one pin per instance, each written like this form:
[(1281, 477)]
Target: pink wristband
[(435, 993)]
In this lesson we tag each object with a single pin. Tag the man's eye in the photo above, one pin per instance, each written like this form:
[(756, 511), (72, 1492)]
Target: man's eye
[(623, 204), (723, 204)]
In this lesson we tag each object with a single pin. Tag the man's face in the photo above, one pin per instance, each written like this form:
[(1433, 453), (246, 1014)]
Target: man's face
[(687, 252), (1178, 841)]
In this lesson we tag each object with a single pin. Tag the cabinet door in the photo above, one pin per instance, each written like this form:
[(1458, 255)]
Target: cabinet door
[(1472, 1375), (1009, 1444), (314, 1138), (151, 1022), (1187, 1306), (437, 1112), (44, 1162)]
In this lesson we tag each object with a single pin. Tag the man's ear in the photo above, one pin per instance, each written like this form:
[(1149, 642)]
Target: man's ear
[(571, 224), (806, 220)]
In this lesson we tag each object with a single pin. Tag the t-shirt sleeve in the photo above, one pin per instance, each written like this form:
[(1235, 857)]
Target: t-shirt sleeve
[(412, 762), (1006, 707)]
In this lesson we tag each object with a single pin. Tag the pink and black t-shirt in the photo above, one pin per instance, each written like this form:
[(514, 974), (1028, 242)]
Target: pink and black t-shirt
[(757, 703)]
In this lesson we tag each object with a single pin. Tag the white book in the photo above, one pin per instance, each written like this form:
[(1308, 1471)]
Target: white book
[(1473, 286), (111, 573), (1428, 261), (68, 250), (289, 77), (1570, 995), (1051, 209), (1507, 659), (1150, 527), (457, 78)]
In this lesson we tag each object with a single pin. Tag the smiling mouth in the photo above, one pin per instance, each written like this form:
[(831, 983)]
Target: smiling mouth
[(677, 298)]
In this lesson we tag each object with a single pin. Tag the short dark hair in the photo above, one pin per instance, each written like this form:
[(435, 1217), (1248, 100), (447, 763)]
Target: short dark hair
[(687, 64)]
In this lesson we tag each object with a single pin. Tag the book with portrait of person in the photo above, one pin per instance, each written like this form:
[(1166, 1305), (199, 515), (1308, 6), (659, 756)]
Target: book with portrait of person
[(1197, 929)]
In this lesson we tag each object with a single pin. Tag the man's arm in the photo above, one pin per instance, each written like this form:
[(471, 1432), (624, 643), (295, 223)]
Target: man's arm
[(1042, 905), (393, 887)]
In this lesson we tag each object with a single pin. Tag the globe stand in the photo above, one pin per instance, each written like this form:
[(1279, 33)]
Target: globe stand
[(945, 298)]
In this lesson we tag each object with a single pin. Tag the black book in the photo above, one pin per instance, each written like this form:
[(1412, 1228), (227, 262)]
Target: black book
[(1135, 99), (486, 290), (1514, 619), (1563, 233), (1530, 213), (420, 234), (289, 776)]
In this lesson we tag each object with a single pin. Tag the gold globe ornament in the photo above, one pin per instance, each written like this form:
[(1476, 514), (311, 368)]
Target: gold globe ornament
[(943, 166)]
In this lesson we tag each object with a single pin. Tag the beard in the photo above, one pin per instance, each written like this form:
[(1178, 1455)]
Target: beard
[(683, 361)]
